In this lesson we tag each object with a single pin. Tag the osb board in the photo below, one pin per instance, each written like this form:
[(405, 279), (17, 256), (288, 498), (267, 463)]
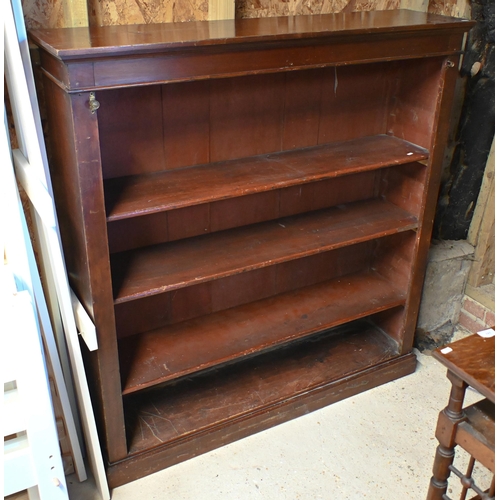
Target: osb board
[(111, 12), (455, 8), (63, 13), (45, 13), (272, 8), (269, 8)]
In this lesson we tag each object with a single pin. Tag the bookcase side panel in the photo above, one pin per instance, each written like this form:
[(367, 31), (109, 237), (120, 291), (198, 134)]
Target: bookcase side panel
[(66, 185), (75, 168), (438, 136), (414, 102)]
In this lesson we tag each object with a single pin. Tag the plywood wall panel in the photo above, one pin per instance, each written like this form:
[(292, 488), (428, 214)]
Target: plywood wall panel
[(420, 5), (455, 8), (112, 12), (271, 8), (44, 13)]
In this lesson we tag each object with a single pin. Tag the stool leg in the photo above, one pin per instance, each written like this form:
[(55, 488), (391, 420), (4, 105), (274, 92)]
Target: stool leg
[(445, 434)]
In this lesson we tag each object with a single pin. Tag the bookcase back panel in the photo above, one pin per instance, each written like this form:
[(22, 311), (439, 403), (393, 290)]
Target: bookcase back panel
[(302, 107), (354, 102), (131, 131), (186, 124), (246, 116)]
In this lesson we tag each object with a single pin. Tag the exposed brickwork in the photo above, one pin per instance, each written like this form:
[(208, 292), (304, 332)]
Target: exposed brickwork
[(470, 322), (474, 308), (474, 316), (490, 318)]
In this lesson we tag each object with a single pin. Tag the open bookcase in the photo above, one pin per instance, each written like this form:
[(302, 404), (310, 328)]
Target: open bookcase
[(245, 208)]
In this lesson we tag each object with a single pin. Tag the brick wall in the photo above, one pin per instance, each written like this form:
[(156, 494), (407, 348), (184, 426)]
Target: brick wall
[(474, 316)]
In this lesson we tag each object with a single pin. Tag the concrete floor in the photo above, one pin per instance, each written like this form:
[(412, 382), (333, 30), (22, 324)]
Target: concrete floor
[(377, 445)]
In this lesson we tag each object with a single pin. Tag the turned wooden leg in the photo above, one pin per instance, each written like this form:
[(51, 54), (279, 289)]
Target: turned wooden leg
[(448, 420)]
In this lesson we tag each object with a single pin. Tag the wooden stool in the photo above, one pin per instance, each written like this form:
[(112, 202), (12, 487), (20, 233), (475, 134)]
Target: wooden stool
[(470, 362)]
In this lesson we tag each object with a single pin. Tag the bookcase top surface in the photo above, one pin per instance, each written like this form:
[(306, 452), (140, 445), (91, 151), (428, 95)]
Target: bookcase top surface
[(74, 43)]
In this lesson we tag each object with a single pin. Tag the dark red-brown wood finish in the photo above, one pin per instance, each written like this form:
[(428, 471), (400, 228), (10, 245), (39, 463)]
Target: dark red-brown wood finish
[(246, 216), (470, 362)]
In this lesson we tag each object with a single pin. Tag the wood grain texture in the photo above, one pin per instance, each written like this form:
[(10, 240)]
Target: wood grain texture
[(414, 101), (120, 12), (482, 229), (140, 195), (378, 227), (351, 109), (454, 8), (246, 116), (477, 433), (162, 52), (236, 391), (161, 268), (131, 131), (405, 187), (206, 298), (73, 150), (99, 42), (136, 232), (44, 13), (162, 355), (277, 114), (186, 120), (473, 360), (147, 462), (439, 137), (268, 8)]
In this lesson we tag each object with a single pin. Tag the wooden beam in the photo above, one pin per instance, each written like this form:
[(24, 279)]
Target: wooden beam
[(482, 228), (75, 13), (420, 5), (220, 9)]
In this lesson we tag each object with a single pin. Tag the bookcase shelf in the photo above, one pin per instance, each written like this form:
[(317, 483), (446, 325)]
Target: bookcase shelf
[(132, 196), (259, 385), (246, 216), (185, 348), (166, 267)]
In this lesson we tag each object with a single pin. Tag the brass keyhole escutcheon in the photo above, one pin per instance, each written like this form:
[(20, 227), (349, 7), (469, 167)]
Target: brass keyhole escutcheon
[(94, 104)]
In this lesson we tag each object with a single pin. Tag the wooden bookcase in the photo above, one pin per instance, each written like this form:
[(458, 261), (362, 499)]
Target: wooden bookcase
[(246, 215)]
